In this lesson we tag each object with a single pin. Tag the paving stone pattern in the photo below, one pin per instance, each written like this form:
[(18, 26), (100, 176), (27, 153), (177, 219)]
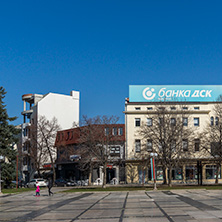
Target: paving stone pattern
[(141, 206)]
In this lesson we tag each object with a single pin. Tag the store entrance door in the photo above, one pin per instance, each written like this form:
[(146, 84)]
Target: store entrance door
[(110, 174)]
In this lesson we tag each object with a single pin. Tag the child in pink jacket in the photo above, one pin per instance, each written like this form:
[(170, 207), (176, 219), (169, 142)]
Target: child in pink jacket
[(37, 192)]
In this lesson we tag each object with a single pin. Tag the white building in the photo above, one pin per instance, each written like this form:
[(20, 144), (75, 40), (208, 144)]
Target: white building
[(65, 108), (198, 102)]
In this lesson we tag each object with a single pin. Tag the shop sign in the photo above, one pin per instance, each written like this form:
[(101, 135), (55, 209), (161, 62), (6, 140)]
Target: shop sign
[(109, 166), (174, 93), (47, 165)]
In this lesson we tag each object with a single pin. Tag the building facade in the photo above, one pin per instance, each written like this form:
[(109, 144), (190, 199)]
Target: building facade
[(65, 108), (157, 115), (70, 146)]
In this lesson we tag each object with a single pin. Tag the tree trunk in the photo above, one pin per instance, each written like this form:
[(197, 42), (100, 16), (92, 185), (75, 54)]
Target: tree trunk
[(90, 175), (170, 177), (104, 175), (217, 173), (164, 175)]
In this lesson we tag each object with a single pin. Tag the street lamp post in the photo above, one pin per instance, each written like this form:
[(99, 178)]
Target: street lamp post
[(153, 168), (2, 159)]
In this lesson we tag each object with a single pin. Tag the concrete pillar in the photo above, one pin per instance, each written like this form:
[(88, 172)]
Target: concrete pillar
[(117, 173), (24, 105)]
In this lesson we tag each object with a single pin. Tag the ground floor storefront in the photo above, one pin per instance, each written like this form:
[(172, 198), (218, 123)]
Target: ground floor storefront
[(198, 171), (115, 174)]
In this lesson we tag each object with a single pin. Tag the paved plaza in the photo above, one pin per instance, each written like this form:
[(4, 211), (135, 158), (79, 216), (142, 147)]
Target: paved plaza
[(141, 206)]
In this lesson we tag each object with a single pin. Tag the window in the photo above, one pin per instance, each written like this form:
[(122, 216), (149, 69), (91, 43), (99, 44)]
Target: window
[(216, 149), (211, 172), (196, 145), (137, 146), (149, 145), (106, 131), (137, 122), (173, 121), (196, 107), (114, 131), (185, 121), (173, 145), (211, 120), (173, 108), (25, 162), (120, 131), (161, 145), (216, 121), (161, 121), (196, 121), (137, 108), (149, 108), (185, 144), (149, 122), (191, 172), (185, 108), (25, 132)]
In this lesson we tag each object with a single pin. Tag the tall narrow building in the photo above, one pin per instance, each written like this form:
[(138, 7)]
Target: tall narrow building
[(65, 108)]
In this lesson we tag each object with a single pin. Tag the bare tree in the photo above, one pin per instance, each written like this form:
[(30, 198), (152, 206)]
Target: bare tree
[(42, 148), (96, 138), (211, 138), (167, 134)]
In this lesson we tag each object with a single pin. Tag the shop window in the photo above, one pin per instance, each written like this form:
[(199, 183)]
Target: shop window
[(142, 175), (185, 145), (211, 172), (191, 172), (137, 146), (197, 145), (196, 121), (211, 120), (149, 122), (185, 121), (149, 145), (137, 121), (159, 173), (176, 174)]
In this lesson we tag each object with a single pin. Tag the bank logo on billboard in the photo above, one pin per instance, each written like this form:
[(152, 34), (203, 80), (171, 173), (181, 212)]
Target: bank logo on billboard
[(155, 93), (148, 93)]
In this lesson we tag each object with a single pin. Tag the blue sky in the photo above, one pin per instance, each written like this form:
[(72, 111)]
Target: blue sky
[(102, 47)]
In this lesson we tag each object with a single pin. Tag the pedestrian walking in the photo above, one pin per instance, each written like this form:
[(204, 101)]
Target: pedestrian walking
[(37, 192), (50, 184)]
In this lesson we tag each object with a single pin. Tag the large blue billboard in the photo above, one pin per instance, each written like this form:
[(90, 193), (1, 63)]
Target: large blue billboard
[(177, 93)]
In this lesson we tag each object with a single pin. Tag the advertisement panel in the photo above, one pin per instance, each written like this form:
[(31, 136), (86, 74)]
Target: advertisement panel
[(177, 93)]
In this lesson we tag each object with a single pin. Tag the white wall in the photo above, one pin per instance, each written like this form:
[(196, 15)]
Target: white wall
[(64, 108)]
